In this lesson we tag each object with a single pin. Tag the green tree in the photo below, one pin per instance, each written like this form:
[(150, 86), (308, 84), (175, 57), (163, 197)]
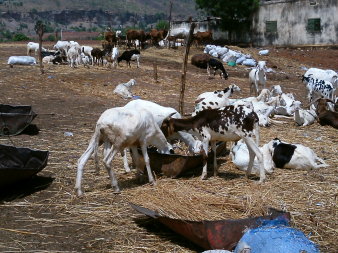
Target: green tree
[(162, 24), (235, 15)]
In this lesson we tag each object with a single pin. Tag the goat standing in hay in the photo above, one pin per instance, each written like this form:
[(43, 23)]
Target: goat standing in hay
[(120, 128), (229, 123)]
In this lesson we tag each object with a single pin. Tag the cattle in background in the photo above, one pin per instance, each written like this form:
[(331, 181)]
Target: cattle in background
[(133, 35), (203, 38), (157, 36), (200, 60)]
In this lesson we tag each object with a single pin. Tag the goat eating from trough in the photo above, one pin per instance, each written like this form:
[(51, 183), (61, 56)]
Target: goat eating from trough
[(120, 128), (229, 123)]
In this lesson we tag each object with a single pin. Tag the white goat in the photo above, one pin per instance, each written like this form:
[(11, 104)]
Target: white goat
[(87, 51), (33, 46), (304, 117), (48, 59), (293, 156), (124, 89), (257, 77), (115, 54), (120, 128), (74, 55), (240, 157), (62, 46), (215, 99), (160, 113), (277, 154)]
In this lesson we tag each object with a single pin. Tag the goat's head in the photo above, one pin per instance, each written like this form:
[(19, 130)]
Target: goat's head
[(167, 126), (224, 75), (234, 88), (261, 65)]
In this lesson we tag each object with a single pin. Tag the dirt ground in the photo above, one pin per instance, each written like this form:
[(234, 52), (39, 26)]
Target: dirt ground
[(44, 215)]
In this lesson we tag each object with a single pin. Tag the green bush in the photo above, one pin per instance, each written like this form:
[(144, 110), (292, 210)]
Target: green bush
[(162, 24), (20, 37), (50, 38)]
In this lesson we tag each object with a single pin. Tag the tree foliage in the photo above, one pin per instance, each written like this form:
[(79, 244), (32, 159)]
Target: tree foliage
[(235, 15)]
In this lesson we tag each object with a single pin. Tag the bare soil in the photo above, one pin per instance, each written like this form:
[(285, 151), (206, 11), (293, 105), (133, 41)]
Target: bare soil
[(44, 215)]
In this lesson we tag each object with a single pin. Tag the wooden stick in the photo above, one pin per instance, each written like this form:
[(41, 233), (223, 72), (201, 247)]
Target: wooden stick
[(184, 67)]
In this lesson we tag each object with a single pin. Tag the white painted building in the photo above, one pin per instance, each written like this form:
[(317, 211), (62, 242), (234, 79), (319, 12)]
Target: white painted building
[(295, 22)]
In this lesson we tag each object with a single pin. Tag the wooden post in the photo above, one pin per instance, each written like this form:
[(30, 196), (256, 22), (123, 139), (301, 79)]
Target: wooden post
[(171, 7), (40, 30), (184, 67)]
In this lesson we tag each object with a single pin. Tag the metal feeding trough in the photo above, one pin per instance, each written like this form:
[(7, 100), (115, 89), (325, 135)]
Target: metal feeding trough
[(18, 164), (220, 234), (173, 165), (15, 118)]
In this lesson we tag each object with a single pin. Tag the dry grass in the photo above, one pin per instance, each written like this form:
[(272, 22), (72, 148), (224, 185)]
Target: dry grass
[(53, 219)]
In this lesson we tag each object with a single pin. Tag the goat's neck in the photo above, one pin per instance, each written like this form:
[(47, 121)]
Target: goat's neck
[(228, 92)]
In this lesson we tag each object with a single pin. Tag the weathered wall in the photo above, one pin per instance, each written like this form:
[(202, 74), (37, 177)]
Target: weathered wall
[(292, 18)]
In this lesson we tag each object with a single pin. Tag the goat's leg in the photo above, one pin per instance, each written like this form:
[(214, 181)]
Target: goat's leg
[(147, 162), (253, 148), (107, 163), (125, 161), (80, 167), (213, 147), (205, 146)]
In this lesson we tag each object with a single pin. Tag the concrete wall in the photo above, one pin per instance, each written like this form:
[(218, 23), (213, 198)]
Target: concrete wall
[(292, 19)]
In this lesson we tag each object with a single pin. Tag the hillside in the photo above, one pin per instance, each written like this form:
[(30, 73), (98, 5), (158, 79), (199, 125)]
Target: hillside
[(88, 15)]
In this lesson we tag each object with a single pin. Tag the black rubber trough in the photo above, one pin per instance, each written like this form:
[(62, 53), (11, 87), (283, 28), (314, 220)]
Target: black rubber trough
[(19, 164), (174, 165), (15, 118)]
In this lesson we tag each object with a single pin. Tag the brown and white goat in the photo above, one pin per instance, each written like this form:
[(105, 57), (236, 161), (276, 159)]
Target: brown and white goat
[(230, 123), (326, 117)]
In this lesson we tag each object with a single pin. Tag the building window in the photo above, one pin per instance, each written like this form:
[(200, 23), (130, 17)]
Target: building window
[(313, 25), (271, 26)]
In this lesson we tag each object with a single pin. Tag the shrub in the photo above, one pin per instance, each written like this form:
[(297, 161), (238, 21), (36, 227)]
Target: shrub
[(50, 38), (20, 37)]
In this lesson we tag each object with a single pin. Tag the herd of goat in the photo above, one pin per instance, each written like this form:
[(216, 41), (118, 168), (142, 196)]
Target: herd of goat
[(216, 117)]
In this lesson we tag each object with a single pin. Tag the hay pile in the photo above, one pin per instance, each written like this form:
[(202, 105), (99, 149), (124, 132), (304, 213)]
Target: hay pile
[(177, 200)]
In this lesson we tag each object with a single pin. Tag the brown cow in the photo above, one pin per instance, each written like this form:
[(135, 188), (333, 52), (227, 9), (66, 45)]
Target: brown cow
[(110, 36), (133, 35), (203, 37), (157, 35), (200, 60)]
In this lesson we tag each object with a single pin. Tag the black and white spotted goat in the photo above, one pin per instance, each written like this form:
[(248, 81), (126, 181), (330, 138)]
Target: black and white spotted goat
[(229, 123), (215, 99), (317, 87)]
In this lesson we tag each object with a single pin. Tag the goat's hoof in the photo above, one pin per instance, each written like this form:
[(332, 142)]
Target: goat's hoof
[(204, 177), (117, 191), (79, 192)]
